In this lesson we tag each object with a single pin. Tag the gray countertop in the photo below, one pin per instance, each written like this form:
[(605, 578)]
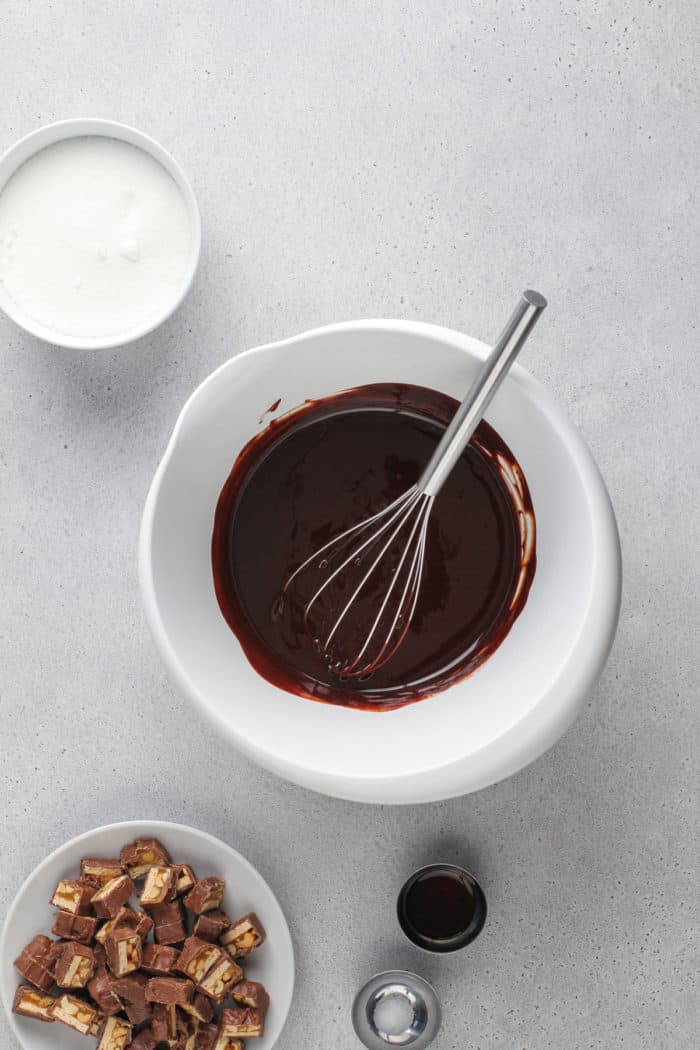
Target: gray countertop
[(402, 160)]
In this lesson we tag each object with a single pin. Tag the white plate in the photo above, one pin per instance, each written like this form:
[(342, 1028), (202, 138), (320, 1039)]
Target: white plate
[(483, 728), (246, 890)]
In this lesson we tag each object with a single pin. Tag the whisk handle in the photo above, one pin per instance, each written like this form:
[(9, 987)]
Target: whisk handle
[(491, 375)]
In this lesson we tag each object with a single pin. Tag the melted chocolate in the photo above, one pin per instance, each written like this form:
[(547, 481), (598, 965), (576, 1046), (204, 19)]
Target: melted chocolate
[(321, 468)]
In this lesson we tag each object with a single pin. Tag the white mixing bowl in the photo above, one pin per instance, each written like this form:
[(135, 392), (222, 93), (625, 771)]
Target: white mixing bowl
[(485, 727)]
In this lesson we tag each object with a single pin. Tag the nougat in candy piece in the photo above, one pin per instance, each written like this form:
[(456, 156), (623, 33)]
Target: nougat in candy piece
[(108, 900), (211, 925), (159, 959), (123, 948), (185, 879), (201, 1008), (159, 886), (75, 965), (205, 895), (243, 1023), (34, 963), (116, 1035), (169, 991), (141, 855), (74, 927), (74, 896), (101, 990), (169, 926), (74, 1013), (251, 993), (99, 870), (244, 935), (221, 978), (32, 1003), (197, 958)]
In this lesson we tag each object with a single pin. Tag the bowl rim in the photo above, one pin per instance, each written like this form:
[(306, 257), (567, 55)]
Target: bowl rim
[(131, 827), (84, 127), (555, 710)]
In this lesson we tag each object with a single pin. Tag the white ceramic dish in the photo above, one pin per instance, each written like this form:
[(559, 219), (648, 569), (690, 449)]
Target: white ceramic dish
[(30, 913), (79, 127), (484, 728)]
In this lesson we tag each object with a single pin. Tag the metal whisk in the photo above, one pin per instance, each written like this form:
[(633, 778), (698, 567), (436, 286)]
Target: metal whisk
[(374, 568)]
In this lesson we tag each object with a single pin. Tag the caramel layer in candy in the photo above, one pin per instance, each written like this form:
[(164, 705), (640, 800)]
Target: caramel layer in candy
[(112, 896), (197, 958), (251, 993), (211, 925), (101, 990), (169, 923), (100, 870), (116, 1035), (123, 948), (185, 879), (164, 1023), (205, 895), (201, 1008), (74, 896), (169, 991), (221, 978), (31, 1003), (206, 1037), (242, 1024), (34, 965), (145, 1040), (159, 959), (75, 965), (74, 927), (244, 935), (142, 854), (75, 1013), (159, 886)]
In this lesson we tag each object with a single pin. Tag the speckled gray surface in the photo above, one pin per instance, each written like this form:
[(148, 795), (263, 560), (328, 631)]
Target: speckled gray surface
[(383, 159)]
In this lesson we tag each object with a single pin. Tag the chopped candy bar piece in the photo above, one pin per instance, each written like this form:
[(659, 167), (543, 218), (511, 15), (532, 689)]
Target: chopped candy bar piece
[(75, 1013), (197, 958), (137, 921), (207, 1036), (123, 948), (169, 991), (112, 896), (228, 1042), (205, 895), (100, 871), (74, 927), (34, 964), (251, 993), (242, 1024), (185, 879), (138, 1014), (101, 990), (141, 855), (169, 923), (75, 965), (145, 1040), (132, 988), (211, 925), (116, 1035), (200, 1008), (100, 955), (244, 935), (31, 1003), (159, 959), (74, 896), (221, 978), (164, 1023), (158, 887)]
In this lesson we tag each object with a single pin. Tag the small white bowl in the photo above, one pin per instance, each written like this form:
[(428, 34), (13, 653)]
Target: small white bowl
[(30, 913), (483, 728), (80, 127)]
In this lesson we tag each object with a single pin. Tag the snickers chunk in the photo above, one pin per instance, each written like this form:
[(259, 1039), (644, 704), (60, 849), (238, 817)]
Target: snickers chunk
[(74, 927), (205, 895), (169, 991), (220, 979), (251, 993), (101, 990), (74, 1013), (139, 856), (158, 887), (108, 900), (243, 1023), (159, 959), (211, 925), (243, 936), (75, 965), (169, 923), (99, 871), (123, 948), (74, 896), (197, 958), (34, 964), (116, 1035), (32, 1003)]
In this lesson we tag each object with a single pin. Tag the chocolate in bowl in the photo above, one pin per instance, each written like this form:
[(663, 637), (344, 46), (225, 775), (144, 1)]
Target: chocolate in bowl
[(326, 465)]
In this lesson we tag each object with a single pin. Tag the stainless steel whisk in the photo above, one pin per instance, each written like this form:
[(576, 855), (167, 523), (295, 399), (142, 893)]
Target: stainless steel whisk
[(399, 530)]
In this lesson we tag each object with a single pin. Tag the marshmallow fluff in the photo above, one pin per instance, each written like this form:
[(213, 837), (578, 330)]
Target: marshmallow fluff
[(95, 238)]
